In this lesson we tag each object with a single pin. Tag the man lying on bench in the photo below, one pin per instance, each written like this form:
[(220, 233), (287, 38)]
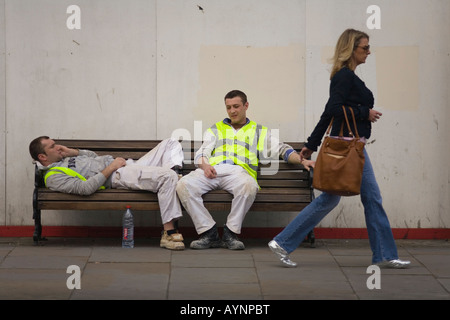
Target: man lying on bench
[(83, 172)]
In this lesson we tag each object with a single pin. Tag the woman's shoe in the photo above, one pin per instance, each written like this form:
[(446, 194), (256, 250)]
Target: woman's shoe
[(282, 254), (394, 264)]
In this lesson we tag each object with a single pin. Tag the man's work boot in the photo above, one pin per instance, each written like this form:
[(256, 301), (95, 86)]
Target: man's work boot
[(208, 239), (174, 241), (231, 240)]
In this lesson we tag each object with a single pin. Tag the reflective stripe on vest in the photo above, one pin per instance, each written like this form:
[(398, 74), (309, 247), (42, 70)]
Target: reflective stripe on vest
[(67, 171), (241, 147)]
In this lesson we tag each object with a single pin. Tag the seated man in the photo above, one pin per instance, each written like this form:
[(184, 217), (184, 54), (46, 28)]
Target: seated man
[(228, 159), (83, 172)]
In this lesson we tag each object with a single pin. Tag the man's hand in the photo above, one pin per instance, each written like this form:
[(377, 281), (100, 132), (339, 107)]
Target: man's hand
[(208, 169), (68, 152), (116, 164), (308, 164), (296, 158)]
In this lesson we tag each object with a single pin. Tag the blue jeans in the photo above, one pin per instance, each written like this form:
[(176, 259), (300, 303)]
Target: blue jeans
[(380, 234)]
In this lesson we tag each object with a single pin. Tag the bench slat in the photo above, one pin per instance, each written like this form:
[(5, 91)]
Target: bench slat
[(98, 205), (153, 206), (136, 144), (111, 195), (142, 145)]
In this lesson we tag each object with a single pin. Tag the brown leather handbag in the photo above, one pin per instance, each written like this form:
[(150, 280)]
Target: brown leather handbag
[(339, 165)]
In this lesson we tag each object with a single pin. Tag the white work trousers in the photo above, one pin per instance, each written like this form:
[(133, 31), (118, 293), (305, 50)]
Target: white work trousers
[(153, 173), (232, 178)]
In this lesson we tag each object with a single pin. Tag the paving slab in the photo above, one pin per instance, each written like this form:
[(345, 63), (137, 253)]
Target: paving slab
[(41, 260), (436, 264), (129, 255), (214, 291), (33, 284), (123, 281), (399, 287), (214, 258)]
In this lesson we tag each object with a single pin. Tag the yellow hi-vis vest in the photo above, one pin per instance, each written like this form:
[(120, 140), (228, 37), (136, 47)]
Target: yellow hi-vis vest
[(242, 147), (64, 170)]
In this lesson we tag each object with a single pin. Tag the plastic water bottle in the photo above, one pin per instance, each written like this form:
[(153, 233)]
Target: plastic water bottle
[(128, 229)]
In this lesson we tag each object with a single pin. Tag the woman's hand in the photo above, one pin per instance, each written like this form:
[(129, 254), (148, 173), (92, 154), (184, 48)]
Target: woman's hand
[(305, 153), (374, 115)]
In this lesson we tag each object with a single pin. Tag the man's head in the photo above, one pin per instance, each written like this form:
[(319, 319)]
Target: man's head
[(45, 150), (237, 105)]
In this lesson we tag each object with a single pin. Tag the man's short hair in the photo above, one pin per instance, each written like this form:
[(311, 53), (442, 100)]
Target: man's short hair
[(236, 93), (36, 147)]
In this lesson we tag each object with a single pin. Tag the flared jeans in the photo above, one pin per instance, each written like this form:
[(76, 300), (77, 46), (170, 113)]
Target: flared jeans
[(380, 234)]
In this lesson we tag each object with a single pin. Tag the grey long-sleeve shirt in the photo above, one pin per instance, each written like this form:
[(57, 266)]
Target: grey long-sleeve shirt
[(89, 165)]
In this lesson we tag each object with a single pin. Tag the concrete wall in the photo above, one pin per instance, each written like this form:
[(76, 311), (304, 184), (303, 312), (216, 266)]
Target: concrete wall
[(145, 69)]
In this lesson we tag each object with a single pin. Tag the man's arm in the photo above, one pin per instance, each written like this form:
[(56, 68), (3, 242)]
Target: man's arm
[(202, 155), (208, 169), (69, 152), (286, 152), (68, 184), (116, 164), (295, 158)]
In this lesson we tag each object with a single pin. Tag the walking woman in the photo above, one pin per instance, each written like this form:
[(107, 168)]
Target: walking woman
[(346, 89)]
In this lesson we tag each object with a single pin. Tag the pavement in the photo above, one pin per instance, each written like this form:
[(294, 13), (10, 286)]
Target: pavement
[(98, 268)]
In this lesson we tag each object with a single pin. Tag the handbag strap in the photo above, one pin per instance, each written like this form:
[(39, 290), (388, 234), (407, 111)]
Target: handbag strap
[(329, 126), (354, 122), (348, 124), (341, 133)]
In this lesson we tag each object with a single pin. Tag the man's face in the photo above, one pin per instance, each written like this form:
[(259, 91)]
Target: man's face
[(52, 151), (237, 111)]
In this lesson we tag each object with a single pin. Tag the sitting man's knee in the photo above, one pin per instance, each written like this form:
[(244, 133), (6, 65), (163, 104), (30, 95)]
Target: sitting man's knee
[(184, 187), (247, 188)]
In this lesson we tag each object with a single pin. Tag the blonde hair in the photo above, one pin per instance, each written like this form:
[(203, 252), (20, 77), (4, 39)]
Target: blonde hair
[(346, 44)]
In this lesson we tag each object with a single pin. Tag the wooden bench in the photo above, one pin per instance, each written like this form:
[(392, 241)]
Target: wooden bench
[(289, 189)]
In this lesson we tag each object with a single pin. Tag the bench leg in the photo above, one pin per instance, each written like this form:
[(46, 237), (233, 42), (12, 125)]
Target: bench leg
[(311, 238), (37, 230), (37, 221)]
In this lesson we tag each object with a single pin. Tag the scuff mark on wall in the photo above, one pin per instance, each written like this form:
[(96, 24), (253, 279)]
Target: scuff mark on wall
[(436, 122), (99, 102), (201, 9)]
